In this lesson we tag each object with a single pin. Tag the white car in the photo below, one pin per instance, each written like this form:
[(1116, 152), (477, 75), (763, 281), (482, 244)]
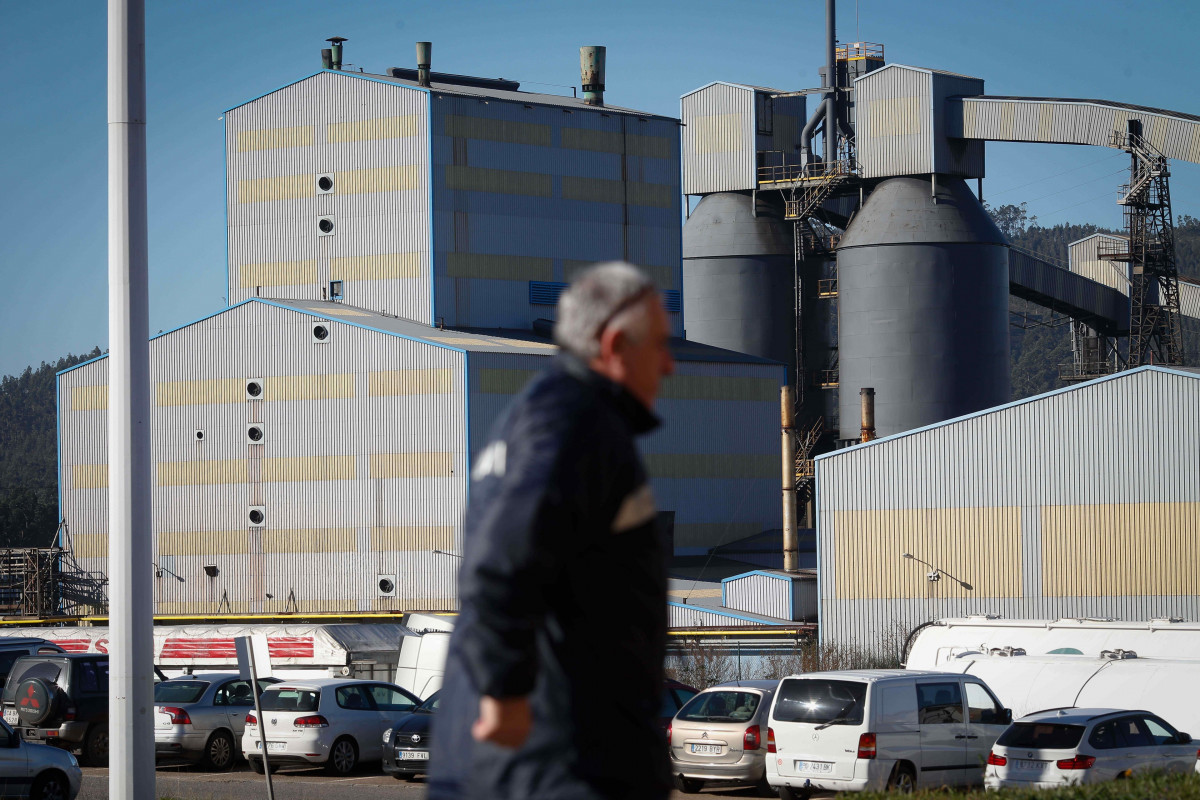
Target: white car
[(336, 722), (36, 771), (1069, 746)]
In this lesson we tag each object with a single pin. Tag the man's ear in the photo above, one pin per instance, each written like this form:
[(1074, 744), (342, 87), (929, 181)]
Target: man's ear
[(612, 341)]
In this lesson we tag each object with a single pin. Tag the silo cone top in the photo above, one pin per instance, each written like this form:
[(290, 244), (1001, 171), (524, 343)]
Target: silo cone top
[(725, 224), (902, 211)]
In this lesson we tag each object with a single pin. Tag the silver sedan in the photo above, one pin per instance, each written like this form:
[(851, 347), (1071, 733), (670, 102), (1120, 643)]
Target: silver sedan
[(201, 717)]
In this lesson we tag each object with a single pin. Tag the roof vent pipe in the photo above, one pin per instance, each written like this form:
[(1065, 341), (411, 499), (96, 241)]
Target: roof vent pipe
[(336, 55), (326, 58), (591, 71), (424, 58), (867, 396)]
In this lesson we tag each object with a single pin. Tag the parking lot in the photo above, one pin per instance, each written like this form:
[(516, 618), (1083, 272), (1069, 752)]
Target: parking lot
[(185, 783)]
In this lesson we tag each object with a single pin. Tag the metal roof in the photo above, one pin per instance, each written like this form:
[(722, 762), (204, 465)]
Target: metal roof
[(927, 70), (1075, 100), (737, 85), (706, 596)]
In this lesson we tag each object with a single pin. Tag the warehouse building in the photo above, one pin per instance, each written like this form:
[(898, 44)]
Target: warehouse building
[(1084, 502), (396, 252)]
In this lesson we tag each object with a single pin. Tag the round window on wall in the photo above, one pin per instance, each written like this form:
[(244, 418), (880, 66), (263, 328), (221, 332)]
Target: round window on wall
[(256, 517), (325, 183), (326, 225)]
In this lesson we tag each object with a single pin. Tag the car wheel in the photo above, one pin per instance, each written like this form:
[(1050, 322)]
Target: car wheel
[(902, 780), (95, 745), (218, 752), (688, 785), (50, 786), (343, 757), (788, 793)]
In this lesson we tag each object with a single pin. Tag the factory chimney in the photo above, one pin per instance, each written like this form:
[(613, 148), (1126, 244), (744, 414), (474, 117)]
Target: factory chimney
[(326, 58), (867, 397), (591, 71), (335, 53), (424, 58)]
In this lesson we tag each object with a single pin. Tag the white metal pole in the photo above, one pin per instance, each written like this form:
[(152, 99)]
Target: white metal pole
[(131, 650)]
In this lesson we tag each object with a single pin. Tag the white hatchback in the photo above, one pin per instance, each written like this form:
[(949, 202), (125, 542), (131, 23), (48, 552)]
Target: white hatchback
[(335, 722), (1069, 746)]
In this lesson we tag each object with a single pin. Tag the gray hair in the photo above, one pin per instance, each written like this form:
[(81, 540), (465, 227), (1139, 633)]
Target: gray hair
[(602, 296)]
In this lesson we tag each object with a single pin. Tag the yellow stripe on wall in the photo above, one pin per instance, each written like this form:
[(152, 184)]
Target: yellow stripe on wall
[(498, 130), (595, 190), (405, 603), (663, 277), (498, 181), (89, 398), (1123, 549), (310, 540), (203, 543), (718, 133), (414, 537), (699, 387), (275, 138), (378, 267), (90, 545), (895, 116), (89, 476), (278, 273), (504, 381), (402, 382), (203, 392), (378, 179), (981, 546), (337, 386), (298, 469), (386, 466), (377, 128), (192, 473), (729, 466), (652, 195), (283, 187), (613, 142), (499, 267), (712, 534)]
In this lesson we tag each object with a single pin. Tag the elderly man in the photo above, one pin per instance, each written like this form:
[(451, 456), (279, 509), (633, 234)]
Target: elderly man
[(554, 680)]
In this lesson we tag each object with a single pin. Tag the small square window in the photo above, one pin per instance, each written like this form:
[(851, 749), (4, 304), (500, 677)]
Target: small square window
[(335, 290)]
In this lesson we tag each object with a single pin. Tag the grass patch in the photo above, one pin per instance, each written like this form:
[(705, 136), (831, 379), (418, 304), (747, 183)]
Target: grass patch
[(1151, 786)]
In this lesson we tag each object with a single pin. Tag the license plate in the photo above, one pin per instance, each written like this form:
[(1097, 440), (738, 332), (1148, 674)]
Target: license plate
[(707, 749), (272, 747), (814, 766), (11, 717), (1035, 765), (414, 755)]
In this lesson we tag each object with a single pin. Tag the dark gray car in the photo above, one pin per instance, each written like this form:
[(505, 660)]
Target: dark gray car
[(201, 717)]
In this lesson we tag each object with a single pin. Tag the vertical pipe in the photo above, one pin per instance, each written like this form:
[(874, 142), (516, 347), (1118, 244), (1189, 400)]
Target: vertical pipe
[(591, 72), (832, 98), (424, 62), (791, 542), (327, 58), (867, 398), (131, 597)]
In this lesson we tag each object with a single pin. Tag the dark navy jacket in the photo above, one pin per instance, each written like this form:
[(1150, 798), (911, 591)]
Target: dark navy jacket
[(563, 594)]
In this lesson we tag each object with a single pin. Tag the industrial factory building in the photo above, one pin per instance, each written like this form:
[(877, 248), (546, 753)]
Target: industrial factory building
[(396, 250), (1084, 502)]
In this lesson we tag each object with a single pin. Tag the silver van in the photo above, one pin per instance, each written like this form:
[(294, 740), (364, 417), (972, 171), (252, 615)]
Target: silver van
[(859, 730)]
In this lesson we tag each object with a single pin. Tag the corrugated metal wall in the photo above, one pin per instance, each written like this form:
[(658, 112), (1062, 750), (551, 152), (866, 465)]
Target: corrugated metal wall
[(895, 122), (1081, 503), (361, 471), (721, 480), (525, 192), (371, 139), (954, 156), (719, 139), (1084, 258), (1069, 122), (773, 595)]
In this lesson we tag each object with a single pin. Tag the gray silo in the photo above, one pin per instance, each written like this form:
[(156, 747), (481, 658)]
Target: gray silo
[(923, 288), (738, 277)]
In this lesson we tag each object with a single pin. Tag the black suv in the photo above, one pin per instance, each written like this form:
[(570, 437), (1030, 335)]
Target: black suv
[(62, 700)]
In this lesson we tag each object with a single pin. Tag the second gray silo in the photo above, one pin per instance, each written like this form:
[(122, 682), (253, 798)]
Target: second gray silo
[(923, 295), (738, 277)]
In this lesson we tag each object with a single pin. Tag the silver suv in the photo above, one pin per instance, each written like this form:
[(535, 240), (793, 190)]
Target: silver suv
[(720, 735)]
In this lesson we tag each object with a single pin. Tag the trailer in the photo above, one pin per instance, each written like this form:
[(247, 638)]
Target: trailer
[(366, 650)]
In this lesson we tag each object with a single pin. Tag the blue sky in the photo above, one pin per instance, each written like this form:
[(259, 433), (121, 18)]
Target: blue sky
[(204, 56)]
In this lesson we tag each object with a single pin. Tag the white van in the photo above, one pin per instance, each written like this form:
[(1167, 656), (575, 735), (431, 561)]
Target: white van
[(862, 730)]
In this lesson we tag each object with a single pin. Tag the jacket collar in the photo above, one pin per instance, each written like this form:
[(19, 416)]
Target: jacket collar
[(641, 419)]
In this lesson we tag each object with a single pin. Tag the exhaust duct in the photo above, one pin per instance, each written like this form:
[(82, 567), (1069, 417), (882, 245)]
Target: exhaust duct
[(335, 60), (424, 59), (591, 74)]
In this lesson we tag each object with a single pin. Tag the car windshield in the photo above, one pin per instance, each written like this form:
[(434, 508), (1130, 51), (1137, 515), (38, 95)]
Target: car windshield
[(821, 701), (431, 703), (1041, 736), (179, 691), (48, 671), (720, 706), (290, 699)]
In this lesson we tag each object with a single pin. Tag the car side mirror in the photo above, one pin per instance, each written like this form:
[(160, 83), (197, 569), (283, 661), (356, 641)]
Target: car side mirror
[(1183, 738), (1007, 716)]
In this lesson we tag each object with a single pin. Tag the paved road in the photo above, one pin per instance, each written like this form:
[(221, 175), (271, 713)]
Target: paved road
[(184, 783)]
